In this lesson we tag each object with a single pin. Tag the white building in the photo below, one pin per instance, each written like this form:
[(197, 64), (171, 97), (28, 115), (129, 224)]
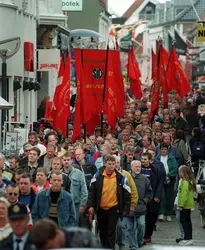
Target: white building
[(18, 19), (29, 19)]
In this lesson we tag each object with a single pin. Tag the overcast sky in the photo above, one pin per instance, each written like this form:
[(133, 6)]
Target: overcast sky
[(120, 6)]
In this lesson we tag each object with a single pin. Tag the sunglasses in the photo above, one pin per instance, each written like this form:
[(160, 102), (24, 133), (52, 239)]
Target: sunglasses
[(15, 194)]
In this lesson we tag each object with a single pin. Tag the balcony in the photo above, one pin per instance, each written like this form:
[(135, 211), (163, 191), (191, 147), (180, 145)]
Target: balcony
[(50, 13), (8, 3)]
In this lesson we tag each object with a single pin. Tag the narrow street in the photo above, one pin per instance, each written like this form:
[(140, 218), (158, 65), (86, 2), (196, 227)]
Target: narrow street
[(167, 232)]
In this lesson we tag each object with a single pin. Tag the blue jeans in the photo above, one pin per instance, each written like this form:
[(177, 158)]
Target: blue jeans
[(136, 230), (179, 224), (121, 230)]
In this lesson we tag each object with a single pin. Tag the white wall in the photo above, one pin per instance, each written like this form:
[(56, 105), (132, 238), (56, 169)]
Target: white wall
[(17, 23)]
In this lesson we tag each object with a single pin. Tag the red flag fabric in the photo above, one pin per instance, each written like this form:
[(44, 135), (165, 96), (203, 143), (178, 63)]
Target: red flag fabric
[(57, 90), (78, 116), (134, 75), (62, 101), (154, 58), (47, 115), (176, 76), (162, 74), (119, 81), (92, 124), (93, 63), (110, 103), (156, 87)]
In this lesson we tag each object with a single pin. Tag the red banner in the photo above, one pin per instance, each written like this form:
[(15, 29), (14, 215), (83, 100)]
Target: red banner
[(62, 103), (176, 76), (93, 63), (162, 74), (134, 75)]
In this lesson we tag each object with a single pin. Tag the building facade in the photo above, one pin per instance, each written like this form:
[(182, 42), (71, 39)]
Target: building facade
[(18, 18), (94, 16)]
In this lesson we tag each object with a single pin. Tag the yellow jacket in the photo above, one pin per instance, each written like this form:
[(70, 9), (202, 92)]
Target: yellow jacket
[(134, 193)]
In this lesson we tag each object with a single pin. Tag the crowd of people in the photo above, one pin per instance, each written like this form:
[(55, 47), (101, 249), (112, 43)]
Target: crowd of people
[(126, 181)]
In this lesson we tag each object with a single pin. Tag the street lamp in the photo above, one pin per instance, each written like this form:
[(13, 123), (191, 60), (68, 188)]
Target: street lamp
[(8, 48)]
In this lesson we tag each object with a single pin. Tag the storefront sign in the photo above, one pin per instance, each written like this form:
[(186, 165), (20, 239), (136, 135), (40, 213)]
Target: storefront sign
[(72, 5), (200, 33), (48, 59)]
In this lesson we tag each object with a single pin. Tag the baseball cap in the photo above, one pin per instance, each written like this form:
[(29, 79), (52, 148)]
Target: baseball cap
[(17, 211)]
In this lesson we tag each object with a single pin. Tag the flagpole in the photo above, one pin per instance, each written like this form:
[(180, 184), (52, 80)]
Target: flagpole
[(105, 79)]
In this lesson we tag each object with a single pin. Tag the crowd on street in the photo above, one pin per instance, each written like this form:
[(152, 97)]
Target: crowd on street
[(55, 193)]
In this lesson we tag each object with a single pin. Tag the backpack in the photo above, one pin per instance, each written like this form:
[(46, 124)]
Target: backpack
[(198, 149)]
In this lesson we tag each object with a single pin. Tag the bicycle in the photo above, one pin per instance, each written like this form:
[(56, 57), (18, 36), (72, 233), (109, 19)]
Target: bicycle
[(200, 180)]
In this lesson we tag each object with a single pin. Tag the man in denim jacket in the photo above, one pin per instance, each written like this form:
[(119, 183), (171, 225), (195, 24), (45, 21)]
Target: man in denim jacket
[(55, 203), (78, 189)]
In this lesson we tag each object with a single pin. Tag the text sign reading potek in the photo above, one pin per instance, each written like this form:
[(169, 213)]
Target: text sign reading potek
[(72, 5), (200, 33)]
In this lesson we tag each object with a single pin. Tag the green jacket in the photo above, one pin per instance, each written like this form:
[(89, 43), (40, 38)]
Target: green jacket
[(186, 195), (172, 164)]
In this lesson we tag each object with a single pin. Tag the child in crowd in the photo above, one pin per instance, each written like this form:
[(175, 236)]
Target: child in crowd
[(181, 237), (186, 202)]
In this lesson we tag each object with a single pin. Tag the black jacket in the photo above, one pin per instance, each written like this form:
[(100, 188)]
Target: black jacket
[(32, 172), (126, 165), (182, 124), (156, 182), (88, 169), (7, 244), (123, 192)]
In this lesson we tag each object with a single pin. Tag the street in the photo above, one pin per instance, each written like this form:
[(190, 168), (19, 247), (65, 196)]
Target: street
[(167, 232)]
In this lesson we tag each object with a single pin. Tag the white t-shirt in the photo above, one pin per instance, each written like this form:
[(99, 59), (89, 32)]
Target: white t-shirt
[(164, 159)]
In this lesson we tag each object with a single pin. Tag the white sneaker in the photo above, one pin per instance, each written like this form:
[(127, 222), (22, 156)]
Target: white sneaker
[(169, 219), (161, 217), (186, 242)]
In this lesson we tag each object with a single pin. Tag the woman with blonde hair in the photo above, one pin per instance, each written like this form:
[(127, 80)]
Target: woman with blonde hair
[(5, 228)]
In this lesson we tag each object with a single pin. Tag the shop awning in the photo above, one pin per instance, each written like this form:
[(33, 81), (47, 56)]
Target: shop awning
[(4, 104)]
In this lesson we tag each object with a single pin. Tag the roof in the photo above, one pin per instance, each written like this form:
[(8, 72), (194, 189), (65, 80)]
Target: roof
[(132, 8)]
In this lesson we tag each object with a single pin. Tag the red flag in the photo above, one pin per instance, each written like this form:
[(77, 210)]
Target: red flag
[(176, 76), (134, 75), (119, 81), (57, 89), (156, 87), (62, 101), (162, 75), (110, 103)]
